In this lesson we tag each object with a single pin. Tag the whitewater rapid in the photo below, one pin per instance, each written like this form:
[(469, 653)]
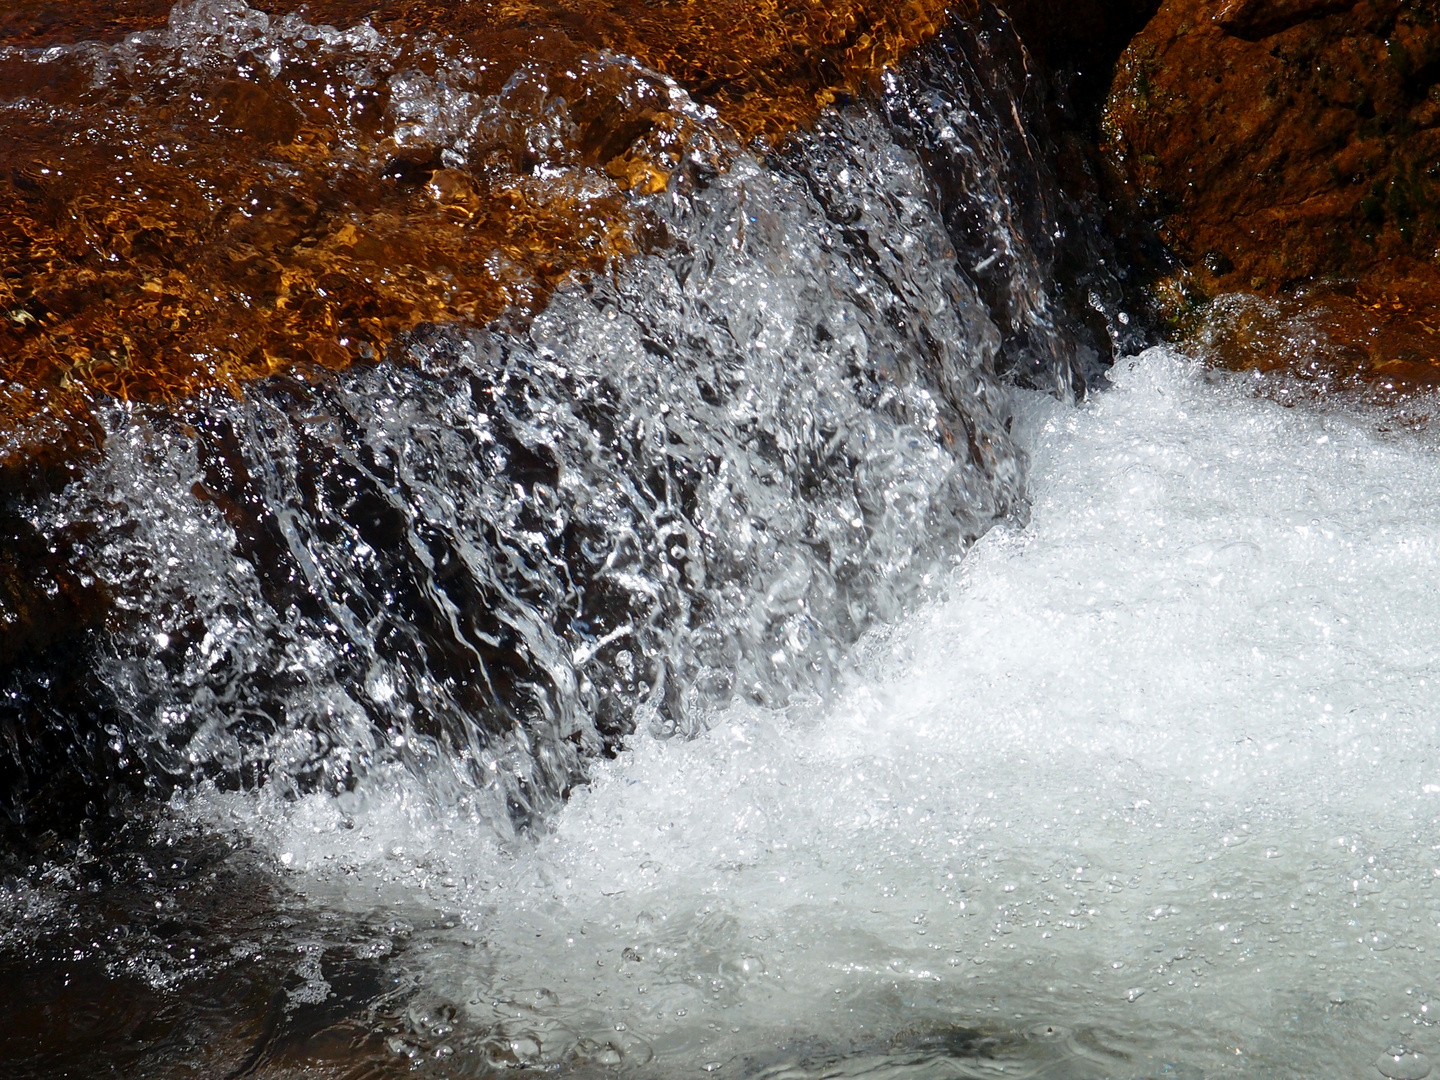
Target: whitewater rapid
[(1149, 788)]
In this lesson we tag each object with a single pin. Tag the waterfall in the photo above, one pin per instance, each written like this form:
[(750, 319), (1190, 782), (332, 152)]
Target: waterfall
[(508, 565), (696, 475)]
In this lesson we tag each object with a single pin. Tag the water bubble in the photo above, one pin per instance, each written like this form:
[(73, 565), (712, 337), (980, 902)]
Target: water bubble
[(1048, 1031), (609, 1054), (1400, 1063), (1134, 993)]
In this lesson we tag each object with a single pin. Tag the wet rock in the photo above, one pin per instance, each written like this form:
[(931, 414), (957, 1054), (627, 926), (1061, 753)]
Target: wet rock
[(1260, 18), (49, 22), (1305, 152), (1282, 143)]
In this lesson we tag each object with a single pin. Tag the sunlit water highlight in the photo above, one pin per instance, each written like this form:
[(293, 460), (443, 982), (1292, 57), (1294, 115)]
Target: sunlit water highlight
[(1150, 790)]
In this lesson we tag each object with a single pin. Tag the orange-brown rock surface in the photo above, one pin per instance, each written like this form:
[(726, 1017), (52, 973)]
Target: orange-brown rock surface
[(1288, 144), (171, 224)]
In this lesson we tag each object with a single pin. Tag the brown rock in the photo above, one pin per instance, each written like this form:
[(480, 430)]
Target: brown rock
[(1261, 18), (1331, 335), (63, 22), (1306, 152), (244, 223), (1286, 142)]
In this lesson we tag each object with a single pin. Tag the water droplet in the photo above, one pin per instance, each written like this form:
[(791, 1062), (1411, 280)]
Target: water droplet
[(1134, 993), (1400, 1063)]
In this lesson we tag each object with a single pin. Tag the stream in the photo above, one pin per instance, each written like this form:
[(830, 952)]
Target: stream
[(813, 644)]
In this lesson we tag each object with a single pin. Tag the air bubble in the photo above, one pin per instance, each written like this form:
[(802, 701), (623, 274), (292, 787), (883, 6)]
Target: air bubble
[(1400, 1063)]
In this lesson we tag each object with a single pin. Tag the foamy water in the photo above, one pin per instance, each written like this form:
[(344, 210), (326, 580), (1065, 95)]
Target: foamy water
[(1151, 788)]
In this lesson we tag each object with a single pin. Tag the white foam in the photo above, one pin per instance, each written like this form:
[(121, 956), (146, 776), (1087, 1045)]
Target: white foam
[(1161, 771)]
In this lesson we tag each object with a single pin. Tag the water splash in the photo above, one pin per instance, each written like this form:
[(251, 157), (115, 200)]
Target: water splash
[(1152, 792)]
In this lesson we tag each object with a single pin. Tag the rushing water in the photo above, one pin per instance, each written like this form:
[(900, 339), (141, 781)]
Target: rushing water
[(1148, 788), (1151, 790), (739, 664), (702, 473)]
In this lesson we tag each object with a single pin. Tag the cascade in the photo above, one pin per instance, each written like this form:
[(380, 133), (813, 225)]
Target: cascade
[(522, 557), (700, 473)]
